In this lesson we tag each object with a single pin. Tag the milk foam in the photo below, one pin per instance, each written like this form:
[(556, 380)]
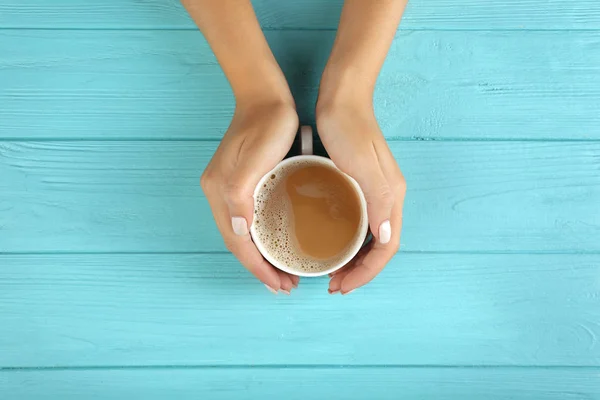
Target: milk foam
[(273, 224)]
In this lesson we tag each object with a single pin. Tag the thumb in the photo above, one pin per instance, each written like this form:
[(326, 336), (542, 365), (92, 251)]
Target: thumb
[(239, 193), (239, 197), (380, 200)]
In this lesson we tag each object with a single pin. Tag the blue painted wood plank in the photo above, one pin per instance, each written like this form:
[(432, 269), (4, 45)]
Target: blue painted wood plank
[(307, 14), (330, 383), (205, 309), (135, 85), (145, 196)]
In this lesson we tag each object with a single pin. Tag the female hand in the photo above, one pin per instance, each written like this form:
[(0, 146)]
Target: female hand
[(348, 128), (259, 137), (355, 143)]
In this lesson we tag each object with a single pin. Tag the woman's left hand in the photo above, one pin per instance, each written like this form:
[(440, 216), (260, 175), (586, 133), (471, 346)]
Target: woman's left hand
[(355, 143)]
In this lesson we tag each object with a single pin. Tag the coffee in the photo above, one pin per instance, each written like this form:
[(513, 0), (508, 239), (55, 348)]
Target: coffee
[(308, 216)]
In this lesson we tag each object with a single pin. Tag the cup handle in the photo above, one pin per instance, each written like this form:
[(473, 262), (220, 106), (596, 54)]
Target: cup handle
[(306, 140)]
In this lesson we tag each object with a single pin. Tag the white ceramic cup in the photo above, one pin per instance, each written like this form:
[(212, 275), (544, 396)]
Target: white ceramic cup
[(306, 142)]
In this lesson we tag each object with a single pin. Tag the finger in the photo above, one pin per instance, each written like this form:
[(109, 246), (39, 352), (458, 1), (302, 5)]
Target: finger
[(295, 280), (350, 263), (249, 256), (242, 246), (370, 266), (376, 258), (286, 282), (335, 285), (238, 194), (366, 170), (245, 174), (334, 273), (392, 172)]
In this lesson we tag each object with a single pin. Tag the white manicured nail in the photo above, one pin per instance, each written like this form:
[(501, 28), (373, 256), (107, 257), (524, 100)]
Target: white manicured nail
[(271, 289), (285, 291), (385, 232), (348, 292), (240, 226)]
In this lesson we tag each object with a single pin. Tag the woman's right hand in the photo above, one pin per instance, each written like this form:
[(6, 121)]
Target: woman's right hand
[(259, 137)]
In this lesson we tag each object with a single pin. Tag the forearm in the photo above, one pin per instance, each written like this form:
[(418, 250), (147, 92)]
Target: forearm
[(234, 34), (365, 33)]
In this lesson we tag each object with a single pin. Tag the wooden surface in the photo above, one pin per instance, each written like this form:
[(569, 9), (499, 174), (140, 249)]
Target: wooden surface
[(115, 284), (166, 84), (305, 14), (143, 196), (296, 383), (203, 309)]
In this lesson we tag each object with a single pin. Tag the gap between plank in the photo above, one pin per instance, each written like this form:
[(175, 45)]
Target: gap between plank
[(389, 139), (300, 29), (298, 367), (181, 253)]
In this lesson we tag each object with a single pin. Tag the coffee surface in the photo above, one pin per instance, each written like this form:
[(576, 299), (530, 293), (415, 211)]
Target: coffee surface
[(325, 211), (308, 216)]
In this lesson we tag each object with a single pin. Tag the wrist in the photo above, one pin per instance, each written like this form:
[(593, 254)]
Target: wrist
[(260, 84), (273, 107), (345, 87), (262, 98)]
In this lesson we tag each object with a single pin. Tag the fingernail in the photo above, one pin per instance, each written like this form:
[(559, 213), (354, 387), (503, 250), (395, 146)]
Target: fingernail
[(285, 291), (271, 289), (385, 232), (344, 294), (295, 285), (332, 291), (239, 225)]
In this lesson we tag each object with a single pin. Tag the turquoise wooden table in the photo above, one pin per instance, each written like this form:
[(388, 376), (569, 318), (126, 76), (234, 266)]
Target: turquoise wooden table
[(114, 283)]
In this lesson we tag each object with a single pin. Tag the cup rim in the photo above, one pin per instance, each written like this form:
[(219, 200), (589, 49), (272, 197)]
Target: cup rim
[(363, 229)]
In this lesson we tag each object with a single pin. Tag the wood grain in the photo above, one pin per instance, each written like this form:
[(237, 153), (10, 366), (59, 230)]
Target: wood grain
[(332, 383), (145, 196), (304, 14), (114, 282), (167, 84), (425, 309)]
